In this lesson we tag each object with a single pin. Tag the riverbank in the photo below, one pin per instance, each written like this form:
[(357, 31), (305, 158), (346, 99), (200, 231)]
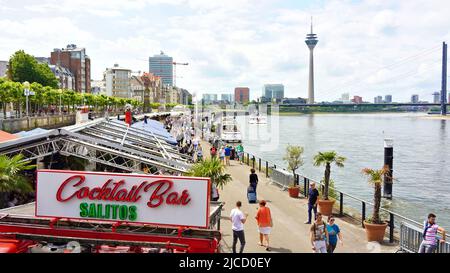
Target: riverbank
[(289, 234)]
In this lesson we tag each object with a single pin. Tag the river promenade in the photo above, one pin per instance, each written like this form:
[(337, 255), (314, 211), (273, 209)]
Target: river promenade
[(289, 233)]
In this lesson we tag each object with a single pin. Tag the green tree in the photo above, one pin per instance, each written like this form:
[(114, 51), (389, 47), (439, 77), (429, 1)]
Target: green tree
[(17, 96), (11, 177), (51, 96), (327, 158), (5, 95), (24, 67), (212, 168), (38, 98), (375, 177), (293, 158)]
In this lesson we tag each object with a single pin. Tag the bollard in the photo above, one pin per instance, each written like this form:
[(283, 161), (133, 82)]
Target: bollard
[(305, 189), (259, 164), (253, 162), (341, 204), (388, 162), (267, 169)]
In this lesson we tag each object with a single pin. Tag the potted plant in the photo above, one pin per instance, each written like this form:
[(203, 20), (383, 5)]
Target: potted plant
[(375, 228), (212, 168), (327, 158), (294, 159), (11, 176)]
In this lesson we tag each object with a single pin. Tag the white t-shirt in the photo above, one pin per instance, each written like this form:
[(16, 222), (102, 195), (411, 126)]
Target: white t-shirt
[(237, 216)]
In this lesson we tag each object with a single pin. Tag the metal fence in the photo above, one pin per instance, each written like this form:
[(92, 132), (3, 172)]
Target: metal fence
[(411, 237), (214, 219), (346, 204), (281, 177)]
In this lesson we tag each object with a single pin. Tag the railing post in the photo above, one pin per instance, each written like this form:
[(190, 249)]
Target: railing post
[(341, 204), (305, 189), (259, 164), (248, 159), (267, 169), (253, 162), (297, 178), (363, 213), (391, 227)]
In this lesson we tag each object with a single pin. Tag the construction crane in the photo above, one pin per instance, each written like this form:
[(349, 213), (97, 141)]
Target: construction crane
[(175, 71)]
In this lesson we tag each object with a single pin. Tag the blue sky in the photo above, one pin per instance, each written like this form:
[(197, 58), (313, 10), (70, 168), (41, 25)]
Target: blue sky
[(366, 47)]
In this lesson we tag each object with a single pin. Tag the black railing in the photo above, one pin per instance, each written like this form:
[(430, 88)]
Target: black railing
[(360, 213)]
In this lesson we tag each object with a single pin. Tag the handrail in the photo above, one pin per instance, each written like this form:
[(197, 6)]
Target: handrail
[(391, 214)]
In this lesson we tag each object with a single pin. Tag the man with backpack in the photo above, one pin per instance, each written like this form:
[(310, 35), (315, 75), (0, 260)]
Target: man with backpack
[(430, 233), (319, 235)]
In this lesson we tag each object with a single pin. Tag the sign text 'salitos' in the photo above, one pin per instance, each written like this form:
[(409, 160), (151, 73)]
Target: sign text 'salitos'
[(160, 192)]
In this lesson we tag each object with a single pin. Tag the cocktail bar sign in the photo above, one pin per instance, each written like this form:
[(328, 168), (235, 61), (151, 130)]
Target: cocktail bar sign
[(148, 199)]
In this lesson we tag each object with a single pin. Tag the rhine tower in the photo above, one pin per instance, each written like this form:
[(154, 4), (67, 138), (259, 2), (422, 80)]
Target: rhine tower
[(311, 41)]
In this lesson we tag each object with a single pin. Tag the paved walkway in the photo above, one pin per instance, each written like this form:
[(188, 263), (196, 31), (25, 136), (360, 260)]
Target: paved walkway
[(289, 233)]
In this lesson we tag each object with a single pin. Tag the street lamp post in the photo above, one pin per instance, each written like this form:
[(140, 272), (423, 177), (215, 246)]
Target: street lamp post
[(26, 86), (60, 93)]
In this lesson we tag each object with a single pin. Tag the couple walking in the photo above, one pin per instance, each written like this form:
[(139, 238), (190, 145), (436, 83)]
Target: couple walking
[(324, 236), (263, 218)]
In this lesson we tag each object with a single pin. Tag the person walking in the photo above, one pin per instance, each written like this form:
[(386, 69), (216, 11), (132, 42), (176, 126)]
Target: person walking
[(430, 234), (238, 219), (253, 180), (240, 153), (313, 199), (199, 153), (222, 155), (265, 224), (319, 235), (213, 151), (227, 155), (334, 233)]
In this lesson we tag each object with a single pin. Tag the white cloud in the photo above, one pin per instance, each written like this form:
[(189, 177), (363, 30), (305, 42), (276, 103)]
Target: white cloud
[(248, 43)]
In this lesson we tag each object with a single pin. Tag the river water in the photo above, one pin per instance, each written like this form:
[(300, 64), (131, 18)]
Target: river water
[(421, 154)]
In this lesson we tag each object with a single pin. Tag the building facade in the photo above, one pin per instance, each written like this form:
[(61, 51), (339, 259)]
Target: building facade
[(378, 99), (66, 79), (415, 99), (436, 97), (185, 97), (228, 98), (162, 66), (293, 101), (345, 98), (242, 94), (273, 91), (209, 98), (388, 99), (77, 62), (137, 88), (98, 87), (357, 99), (117, 82)]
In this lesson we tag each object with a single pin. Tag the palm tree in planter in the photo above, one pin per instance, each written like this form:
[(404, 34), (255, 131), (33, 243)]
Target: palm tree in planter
[(11, 177), (212, 168), (294, 159), (327, 158), (375, 228)]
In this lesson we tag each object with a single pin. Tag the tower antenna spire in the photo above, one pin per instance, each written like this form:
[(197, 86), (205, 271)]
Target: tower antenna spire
[(311, 25)]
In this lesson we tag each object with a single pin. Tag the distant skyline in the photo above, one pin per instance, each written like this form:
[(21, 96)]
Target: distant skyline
[(367, 47)]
